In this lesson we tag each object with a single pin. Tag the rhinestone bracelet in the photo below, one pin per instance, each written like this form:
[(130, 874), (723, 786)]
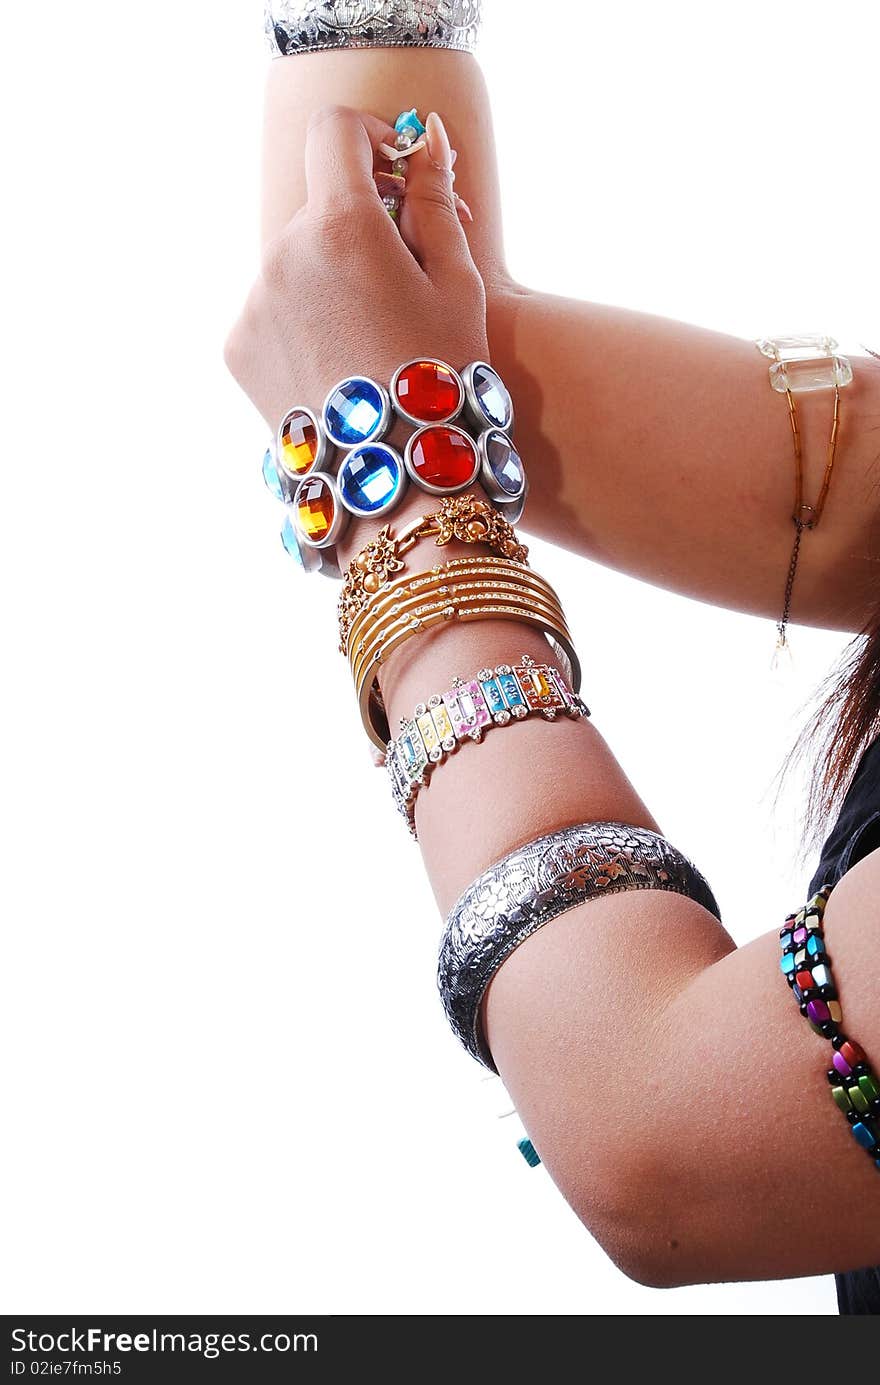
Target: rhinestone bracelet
[(495, 697), (333, 466), (806, 967)]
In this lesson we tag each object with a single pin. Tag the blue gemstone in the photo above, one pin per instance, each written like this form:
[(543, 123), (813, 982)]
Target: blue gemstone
[(815, 947), (493, 695), (864, 1134), (505, 464), (371, 479), (509, 686), (354, 412), (411, 119), (492, 395), (291, 543), (270, 474), (785, 939), (787, 963)]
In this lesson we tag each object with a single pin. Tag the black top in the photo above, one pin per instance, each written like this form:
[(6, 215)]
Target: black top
[(855, 834)]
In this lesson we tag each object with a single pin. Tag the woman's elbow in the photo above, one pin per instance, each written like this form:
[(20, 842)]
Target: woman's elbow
[(639, 1214)]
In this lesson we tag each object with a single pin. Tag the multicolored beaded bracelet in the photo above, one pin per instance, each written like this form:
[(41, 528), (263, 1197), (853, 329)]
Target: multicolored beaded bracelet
[(495, 697), (806, 967)]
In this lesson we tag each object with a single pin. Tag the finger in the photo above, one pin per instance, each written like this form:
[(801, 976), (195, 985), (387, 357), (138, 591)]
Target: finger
[(429, 221), (340, 150)]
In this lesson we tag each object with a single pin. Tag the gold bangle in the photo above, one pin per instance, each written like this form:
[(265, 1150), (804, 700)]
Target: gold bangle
[(463, 594), (444, 582), (421, 584), (372, 710), (467, 518)]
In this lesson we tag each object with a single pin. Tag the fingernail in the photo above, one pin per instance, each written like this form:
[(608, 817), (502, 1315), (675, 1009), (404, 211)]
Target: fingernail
[(463, 208), (438, 142), (454, 157)]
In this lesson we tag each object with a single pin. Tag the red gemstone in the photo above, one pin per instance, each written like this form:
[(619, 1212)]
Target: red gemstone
[(428, 391), (444, 457)]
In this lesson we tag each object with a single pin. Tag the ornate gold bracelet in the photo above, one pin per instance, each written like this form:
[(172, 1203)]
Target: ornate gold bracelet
[(466, 518)]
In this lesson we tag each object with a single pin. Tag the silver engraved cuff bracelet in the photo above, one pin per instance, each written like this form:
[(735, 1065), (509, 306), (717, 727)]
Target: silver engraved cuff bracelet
[(308, 26), (536, 883)]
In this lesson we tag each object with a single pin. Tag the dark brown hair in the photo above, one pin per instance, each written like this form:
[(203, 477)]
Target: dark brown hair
[(846, 721)]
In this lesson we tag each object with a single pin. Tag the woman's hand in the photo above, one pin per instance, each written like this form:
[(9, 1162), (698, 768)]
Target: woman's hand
[(342, 291)]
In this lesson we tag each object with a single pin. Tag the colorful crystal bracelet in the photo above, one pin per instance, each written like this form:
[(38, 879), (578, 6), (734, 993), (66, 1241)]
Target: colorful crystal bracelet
[(806, 967), (495, 697)]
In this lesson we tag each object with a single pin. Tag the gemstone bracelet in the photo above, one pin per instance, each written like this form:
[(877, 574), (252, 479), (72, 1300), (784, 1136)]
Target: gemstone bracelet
[(463, 425), (806, 967), (495, 697)]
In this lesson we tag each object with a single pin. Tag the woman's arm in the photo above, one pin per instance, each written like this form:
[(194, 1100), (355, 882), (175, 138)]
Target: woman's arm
[(653, 446), (669, 1085)]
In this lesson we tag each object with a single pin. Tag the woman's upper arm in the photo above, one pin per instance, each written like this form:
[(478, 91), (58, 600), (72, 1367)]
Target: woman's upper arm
[(702, 1143)]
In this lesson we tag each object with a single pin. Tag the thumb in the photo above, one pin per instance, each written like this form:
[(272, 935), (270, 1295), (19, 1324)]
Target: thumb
[(429, 220)]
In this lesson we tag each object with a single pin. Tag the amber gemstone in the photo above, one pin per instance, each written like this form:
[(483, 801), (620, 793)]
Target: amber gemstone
[(298, 443), (428, 391), (444, 458), (315, 508), (539, 683)]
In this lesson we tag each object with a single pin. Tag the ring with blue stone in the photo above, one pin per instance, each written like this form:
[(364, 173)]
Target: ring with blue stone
[(371, 479), (357, 410), (487, 399)]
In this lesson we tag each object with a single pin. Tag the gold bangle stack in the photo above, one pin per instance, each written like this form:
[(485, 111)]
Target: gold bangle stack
[(465, 589), (466, 518), (379, 612)]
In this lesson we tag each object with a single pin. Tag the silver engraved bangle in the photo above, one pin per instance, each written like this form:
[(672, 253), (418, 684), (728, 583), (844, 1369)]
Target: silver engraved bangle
[(308, 26), (536, 883)]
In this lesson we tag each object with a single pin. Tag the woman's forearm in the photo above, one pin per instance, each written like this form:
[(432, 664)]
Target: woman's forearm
[(385, 81), (653, 446), (659, 448)]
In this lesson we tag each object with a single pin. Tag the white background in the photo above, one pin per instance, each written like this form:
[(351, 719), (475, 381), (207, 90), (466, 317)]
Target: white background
[(229, 1086)]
